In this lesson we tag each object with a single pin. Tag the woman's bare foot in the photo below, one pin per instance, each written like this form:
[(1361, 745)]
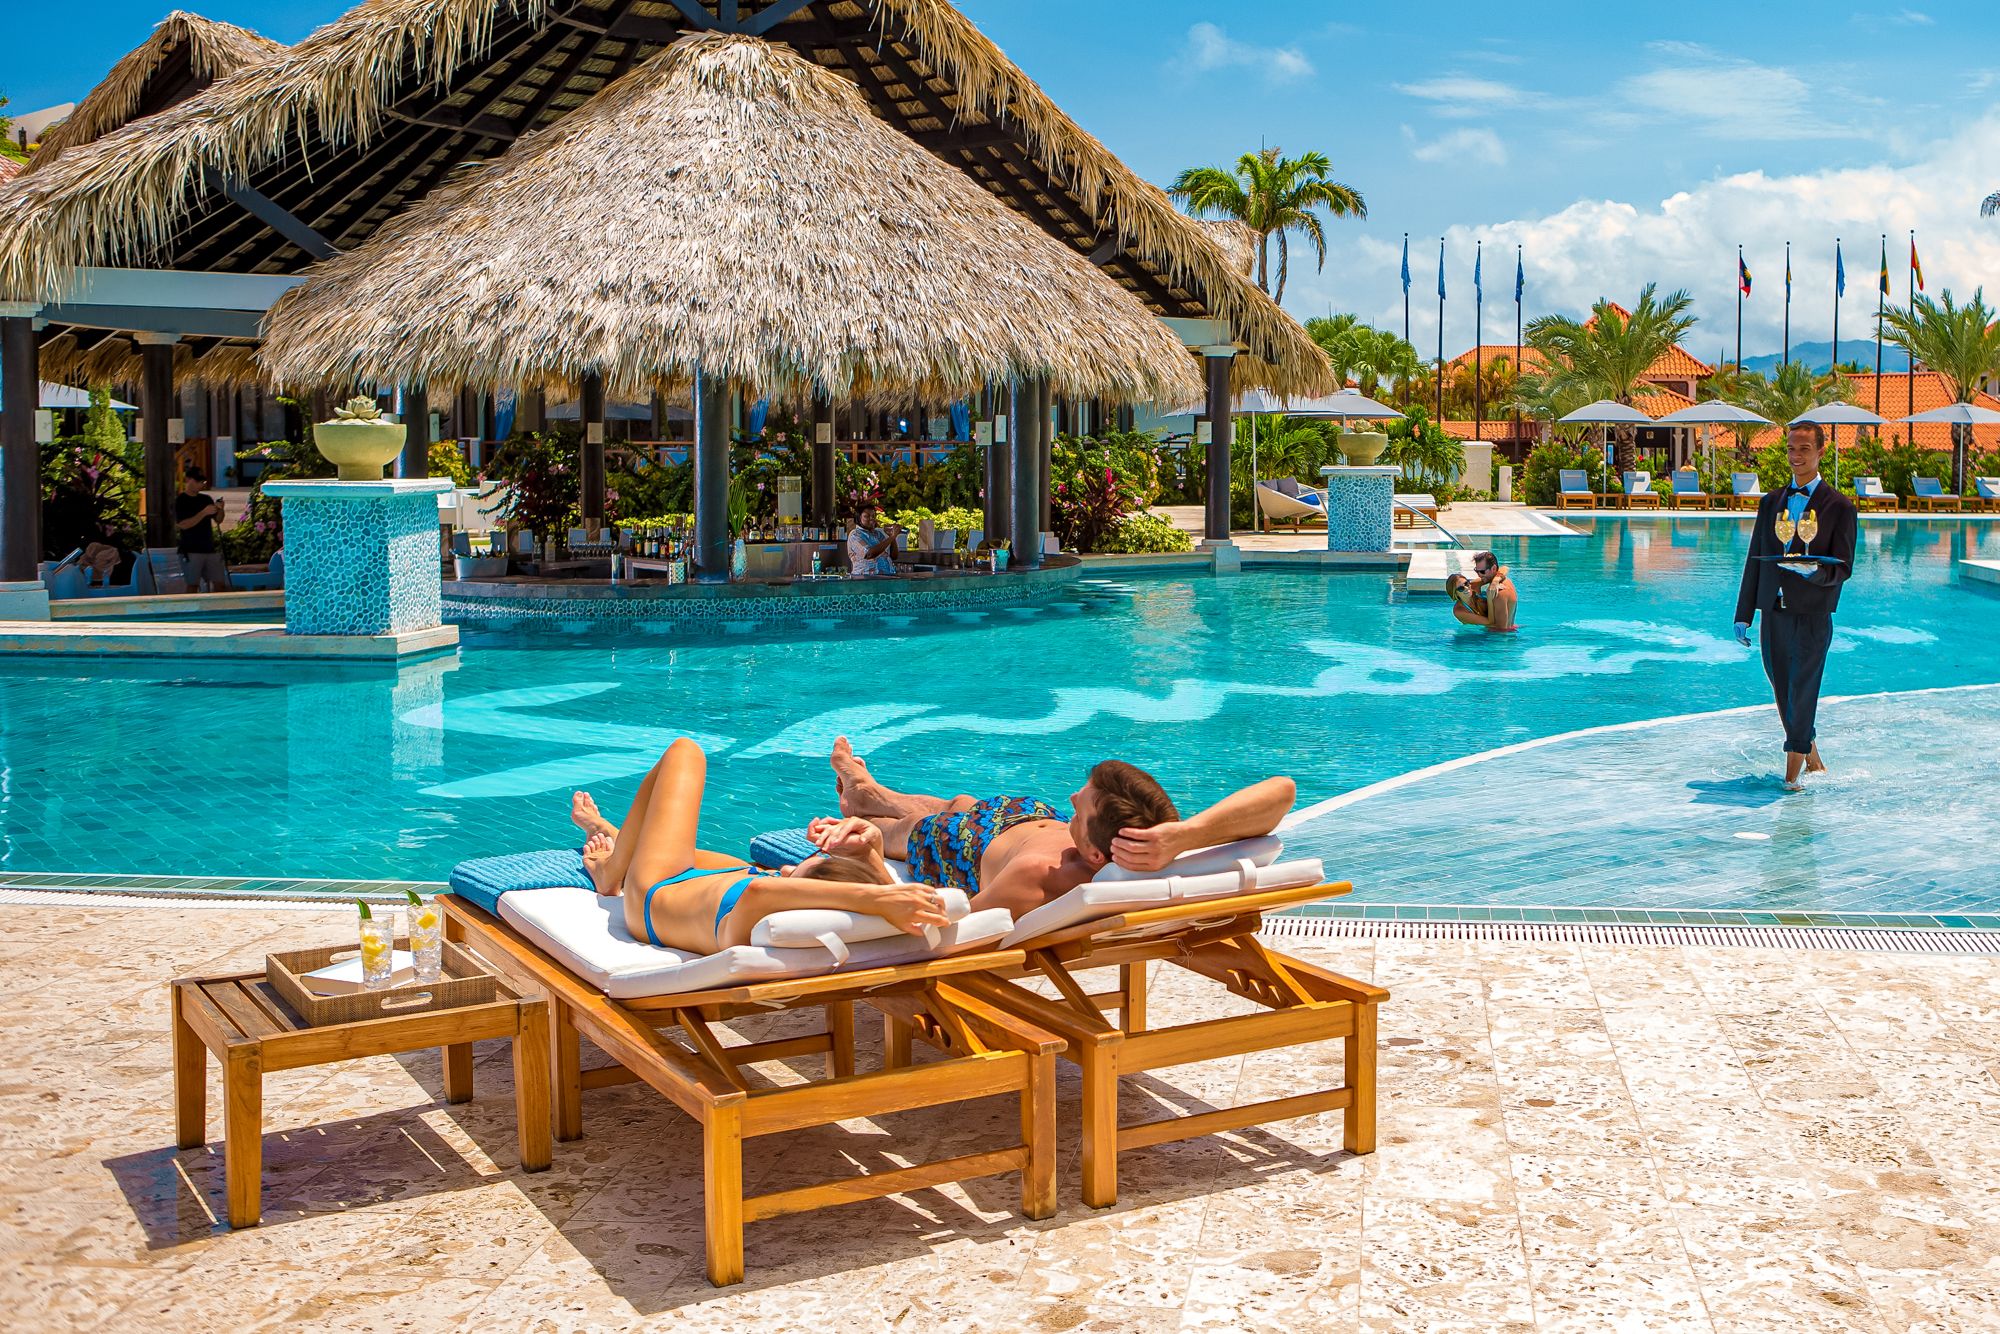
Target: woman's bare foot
[(583, 813), (597, 850)]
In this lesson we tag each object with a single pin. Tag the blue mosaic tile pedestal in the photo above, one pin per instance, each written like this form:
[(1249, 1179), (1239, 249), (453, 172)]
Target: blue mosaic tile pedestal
[(1360, 504), (361, 558)]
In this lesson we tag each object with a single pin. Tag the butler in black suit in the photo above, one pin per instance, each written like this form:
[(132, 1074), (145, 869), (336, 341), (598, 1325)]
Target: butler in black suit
[(1806, 524)]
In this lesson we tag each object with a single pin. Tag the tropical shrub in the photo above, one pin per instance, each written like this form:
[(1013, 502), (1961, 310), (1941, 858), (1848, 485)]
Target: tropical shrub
[(1090, 497), (959, 518), (446, 460), (540, 470), (253, 541), (89, 494), (1146, 532), (1429, 458), (1540, 475)]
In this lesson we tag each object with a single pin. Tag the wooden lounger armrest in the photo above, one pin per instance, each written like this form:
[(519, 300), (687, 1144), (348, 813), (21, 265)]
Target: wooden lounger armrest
[(1334, 984), (1191, 910), (1001, 1025)]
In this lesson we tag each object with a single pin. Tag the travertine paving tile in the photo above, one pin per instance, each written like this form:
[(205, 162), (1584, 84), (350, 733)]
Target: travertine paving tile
[(1570, 1138)]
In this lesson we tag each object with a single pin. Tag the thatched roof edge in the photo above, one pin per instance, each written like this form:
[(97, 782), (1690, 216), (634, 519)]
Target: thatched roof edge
[(215, 51)]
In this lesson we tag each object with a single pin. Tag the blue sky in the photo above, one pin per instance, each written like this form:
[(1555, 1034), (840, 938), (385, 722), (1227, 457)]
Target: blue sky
[(1615, 143)]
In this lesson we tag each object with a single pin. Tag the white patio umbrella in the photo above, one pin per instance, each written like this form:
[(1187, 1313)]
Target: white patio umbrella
[(1833, 416), (1347, 405), (1707, 415), (62, 396), (1606, 412), (1956, 414)]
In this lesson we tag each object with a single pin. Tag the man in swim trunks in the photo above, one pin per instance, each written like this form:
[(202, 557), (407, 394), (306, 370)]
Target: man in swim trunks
[(1494, 589), (1019, 852)]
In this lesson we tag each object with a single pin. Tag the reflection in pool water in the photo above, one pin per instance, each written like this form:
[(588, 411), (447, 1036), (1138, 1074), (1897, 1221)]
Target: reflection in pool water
[(1340, 681)]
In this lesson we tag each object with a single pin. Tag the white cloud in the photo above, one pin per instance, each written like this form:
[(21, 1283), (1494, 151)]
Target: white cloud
[(1463, 95), (1611, 248), (1912, 18), (1211, 48), (1728, 97), (1480, 147)]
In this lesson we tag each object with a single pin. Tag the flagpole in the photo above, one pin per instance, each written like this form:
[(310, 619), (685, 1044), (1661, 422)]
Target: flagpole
[(1910, 371), (1517, 344), (1833, 366), (1786, 359), (1739, 314), (1406, 314), (1440, 360), (1478, 333), (1881, 293)]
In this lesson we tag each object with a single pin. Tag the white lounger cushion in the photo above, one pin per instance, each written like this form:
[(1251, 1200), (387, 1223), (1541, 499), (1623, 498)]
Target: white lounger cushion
[(585, 932), (836, 930), (1107, 898)]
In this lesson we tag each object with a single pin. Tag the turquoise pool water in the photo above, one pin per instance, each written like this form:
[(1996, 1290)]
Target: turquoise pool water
[(288, 770)]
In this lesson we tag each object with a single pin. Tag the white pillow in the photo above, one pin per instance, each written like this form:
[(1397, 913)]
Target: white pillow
[(586, 933), (1107, 898), (834, 930), (1259, 851)]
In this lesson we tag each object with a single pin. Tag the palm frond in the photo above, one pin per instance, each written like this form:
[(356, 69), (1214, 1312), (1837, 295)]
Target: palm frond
[(1990, 206)]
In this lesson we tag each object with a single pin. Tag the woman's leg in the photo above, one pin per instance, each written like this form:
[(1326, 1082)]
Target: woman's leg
[(657, 840)]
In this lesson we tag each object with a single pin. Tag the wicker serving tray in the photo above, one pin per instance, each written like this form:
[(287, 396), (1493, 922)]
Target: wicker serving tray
[(464, 982)]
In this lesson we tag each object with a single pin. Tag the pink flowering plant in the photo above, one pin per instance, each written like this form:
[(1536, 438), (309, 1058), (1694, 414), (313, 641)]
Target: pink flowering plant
[(1090, 495)]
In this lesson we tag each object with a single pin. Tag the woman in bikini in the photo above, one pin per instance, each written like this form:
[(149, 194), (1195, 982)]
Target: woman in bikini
[(678, 895)]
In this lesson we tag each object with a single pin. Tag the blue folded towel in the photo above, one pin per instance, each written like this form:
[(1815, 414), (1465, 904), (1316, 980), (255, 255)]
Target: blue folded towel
[(484, 879), (781, 847)]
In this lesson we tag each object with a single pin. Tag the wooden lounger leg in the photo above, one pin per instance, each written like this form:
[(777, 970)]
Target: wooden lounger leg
[(1359, 1133), (1100, 1124), (190, 1081), (897, 1042), (532, 1087), (1132, 981), (840, 1027), (1038, 1135), (565, 1072), (722, 1193)]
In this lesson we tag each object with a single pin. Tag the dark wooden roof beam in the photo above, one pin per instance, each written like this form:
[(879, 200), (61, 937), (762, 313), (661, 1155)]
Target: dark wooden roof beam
[(271, 215), (479, 127)]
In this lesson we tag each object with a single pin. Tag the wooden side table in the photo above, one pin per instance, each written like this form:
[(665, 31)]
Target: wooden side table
[(252, 1032)]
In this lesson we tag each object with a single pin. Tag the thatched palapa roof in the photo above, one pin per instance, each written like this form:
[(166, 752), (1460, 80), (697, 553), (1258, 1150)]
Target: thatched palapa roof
[(728, 205), (89, 358), (372, 111), (185, 54)]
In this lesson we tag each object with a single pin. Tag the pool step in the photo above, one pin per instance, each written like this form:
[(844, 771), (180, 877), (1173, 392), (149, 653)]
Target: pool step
[(1428, 570)]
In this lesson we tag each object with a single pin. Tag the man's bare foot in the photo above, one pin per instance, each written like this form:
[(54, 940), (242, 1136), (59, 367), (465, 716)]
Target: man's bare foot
[(859, 793), (583, 813), (1814, 764), (597, 850)]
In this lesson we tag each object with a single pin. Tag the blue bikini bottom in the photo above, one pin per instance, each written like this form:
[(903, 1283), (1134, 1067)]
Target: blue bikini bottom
[(730, 896)]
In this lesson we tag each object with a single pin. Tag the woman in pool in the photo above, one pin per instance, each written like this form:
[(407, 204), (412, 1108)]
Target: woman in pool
[(678, 895)]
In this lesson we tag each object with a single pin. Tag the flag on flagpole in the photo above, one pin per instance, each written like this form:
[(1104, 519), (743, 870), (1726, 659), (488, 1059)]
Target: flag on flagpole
[(1885, 268), (1788, 273), (1440, 270), (1742, 276), (1916, 265), (1520, 278), (1406, 265), (1839, 273), (1478, 282)]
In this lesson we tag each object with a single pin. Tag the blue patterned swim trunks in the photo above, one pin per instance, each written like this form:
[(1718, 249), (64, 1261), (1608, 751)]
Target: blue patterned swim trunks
[(945, 849)]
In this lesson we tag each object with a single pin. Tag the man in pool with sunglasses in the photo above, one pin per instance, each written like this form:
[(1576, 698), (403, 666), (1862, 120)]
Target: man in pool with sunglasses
[(1490, 599)]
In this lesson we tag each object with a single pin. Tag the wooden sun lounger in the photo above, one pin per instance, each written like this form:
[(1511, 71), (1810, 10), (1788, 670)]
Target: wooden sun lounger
[(1215, 938), (668, 1042)]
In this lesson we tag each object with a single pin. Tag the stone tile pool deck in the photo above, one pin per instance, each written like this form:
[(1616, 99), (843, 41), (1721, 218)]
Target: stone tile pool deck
[(1572, 1138)]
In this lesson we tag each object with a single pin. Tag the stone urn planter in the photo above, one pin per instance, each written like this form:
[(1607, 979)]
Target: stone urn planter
[(358, 442), (1361, 448)]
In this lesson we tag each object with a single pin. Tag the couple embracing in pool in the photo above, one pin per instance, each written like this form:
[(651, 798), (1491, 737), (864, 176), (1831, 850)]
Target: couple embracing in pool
[(1006, 852)]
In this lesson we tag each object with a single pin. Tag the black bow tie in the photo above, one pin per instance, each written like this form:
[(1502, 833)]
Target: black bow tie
[(1795, 490)]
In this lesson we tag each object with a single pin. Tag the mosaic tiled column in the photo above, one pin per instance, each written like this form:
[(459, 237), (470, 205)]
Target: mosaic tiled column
[(361, 558), (1360, 503)]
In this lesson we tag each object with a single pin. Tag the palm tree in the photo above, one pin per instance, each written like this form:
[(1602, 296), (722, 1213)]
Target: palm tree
[(1362, 352), (1960, 343), (1791, 390), (1272, 195), (1608, 355)]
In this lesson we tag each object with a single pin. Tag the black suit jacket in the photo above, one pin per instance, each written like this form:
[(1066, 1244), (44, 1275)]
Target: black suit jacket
[(1763, 581)]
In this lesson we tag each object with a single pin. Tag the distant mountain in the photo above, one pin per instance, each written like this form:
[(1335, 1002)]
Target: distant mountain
[(1820, 356)]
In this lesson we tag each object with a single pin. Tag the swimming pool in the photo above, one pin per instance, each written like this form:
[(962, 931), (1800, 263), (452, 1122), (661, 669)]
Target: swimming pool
[(160, 768)]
